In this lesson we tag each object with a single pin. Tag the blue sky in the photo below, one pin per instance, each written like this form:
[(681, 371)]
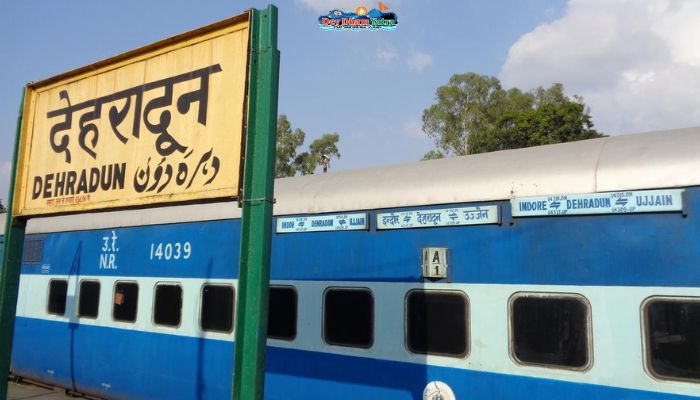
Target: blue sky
[(372, 87)]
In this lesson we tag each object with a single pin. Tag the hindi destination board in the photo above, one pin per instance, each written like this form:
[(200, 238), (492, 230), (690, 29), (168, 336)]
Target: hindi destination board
[(479, 215), (160, 124)]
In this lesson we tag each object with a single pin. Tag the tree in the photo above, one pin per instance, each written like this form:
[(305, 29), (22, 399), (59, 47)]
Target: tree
[(288, 142), (3, 209), (326, 145), (474, 114), (289, 162), (433, 155)]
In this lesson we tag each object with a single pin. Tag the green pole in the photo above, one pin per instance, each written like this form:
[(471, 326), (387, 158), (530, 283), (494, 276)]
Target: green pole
[(257, 199), (9, 275)]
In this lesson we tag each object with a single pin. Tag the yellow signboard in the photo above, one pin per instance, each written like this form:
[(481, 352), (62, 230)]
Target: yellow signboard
[(160, 124)]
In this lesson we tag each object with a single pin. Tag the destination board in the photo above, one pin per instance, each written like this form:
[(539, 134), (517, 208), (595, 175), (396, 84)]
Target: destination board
[(160, 124), (322, 223), (641, 201), (479, 215)]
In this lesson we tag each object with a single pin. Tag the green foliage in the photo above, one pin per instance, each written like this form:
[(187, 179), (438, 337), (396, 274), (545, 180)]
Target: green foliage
[(288, 142), (289, 161), (325, 145), (433, 155), (474, 114)]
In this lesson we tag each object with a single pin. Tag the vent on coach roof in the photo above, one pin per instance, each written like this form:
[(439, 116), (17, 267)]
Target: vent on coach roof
[(33, 250)]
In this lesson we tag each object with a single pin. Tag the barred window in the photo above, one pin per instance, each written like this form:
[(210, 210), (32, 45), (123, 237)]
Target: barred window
[(32, 250), (550, 330), (89, 299), (282, 315), (673, 338), (217, 308), (168, 304), (126, 299), (348, 317), (58, 290), (437, 323)]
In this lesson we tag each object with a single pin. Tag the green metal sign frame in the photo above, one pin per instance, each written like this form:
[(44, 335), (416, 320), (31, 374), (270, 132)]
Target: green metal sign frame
[(257, 199), (9, 275)]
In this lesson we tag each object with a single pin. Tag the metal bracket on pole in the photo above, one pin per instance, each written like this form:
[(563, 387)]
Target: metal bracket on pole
[(256, 222), (258, 201)]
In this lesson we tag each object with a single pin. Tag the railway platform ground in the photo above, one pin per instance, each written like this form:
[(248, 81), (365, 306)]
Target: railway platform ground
[(26, 391)]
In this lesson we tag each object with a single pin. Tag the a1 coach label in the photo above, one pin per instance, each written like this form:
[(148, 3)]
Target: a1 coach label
[(641, 201)]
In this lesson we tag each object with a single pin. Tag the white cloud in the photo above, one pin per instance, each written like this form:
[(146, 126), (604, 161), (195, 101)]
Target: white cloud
[(636, 63), (418, 61), (386, 54)]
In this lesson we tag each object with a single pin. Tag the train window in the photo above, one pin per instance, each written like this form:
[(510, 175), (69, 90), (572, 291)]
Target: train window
[(348, 317), (217, 308), (550, 330), (58, 289), (168, 304), (437, 323), (673, 338), (282, 315), (126, 299), (89, 299), (32, 250)]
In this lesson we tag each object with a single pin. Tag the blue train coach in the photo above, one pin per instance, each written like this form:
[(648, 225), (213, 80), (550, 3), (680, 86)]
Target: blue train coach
[(564, 271)]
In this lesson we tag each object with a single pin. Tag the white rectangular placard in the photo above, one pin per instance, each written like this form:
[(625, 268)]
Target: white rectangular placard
[(438, 217), (322, 223), (641, 201)]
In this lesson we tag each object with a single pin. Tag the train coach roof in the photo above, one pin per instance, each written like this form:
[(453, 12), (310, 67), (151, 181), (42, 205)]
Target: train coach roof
[(662, 159)]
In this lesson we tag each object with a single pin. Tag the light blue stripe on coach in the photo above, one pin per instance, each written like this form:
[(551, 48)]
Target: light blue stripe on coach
[(627, 202)]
